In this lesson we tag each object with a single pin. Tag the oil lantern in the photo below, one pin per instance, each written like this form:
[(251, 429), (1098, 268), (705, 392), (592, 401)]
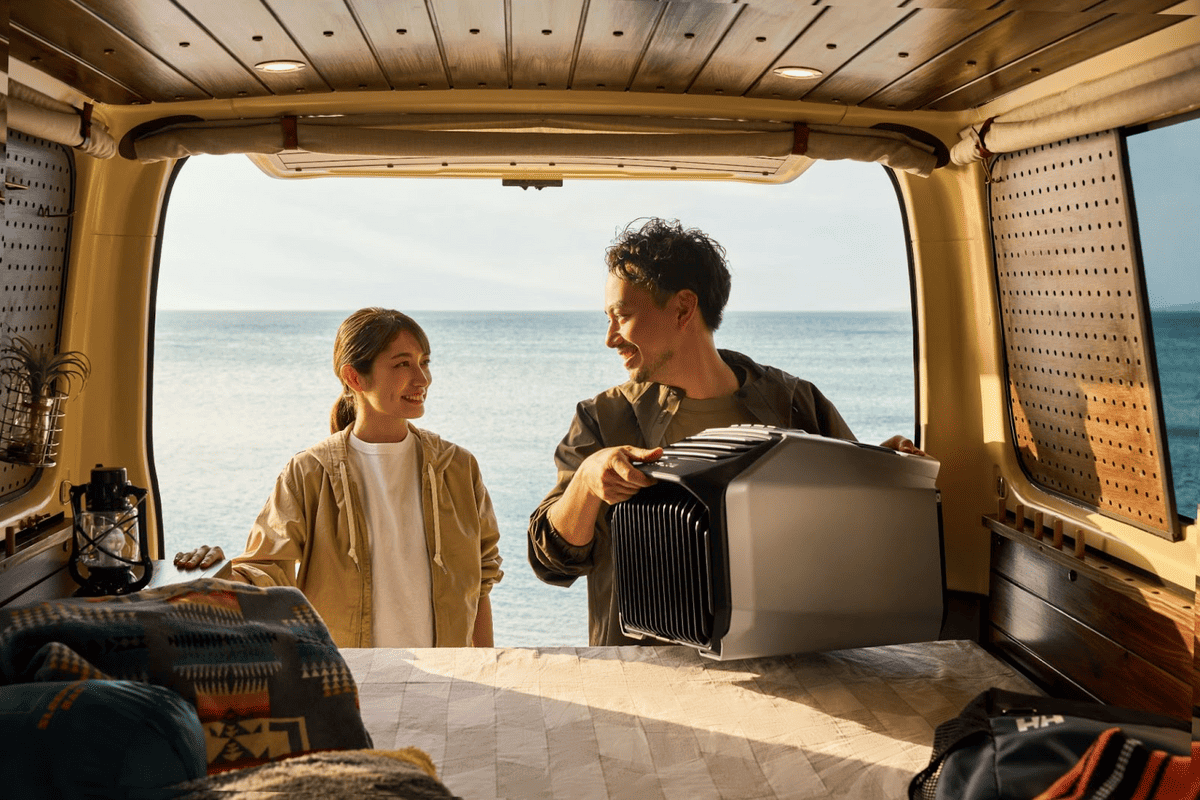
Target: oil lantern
[(110, 535)]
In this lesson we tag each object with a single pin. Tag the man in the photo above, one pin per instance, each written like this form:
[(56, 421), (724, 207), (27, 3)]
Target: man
[(665, 295)]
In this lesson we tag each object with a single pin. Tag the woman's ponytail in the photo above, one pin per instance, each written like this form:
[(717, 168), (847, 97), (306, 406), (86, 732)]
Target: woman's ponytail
[(343, 413)]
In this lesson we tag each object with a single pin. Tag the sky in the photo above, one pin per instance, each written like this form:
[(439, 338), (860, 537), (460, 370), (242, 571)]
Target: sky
[(832, 240), (238, 239), (1166, 191)]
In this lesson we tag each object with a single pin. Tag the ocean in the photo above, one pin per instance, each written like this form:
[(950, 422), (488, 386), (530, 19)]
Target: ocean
[(236, 394), (1177, 351)]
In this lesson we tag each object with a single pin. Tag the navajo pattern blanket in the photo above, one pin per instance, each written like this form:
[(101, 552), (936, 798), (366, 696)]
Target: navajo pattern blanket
[(258, 664)]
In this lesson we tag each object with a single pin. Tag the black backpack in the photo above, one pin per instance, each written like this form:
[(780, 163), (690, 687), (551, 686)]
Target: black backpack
[(1007, 745)]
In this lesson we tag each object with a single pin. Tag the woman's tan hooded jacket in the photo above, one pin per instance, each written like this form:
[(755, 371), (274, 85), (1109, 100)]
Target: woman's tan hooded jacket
[(312, 534)]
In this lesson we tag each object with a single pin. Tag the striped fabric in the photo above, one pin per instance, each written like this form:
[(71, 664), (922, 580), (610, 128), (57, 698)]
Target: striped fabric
[(1117, 767)]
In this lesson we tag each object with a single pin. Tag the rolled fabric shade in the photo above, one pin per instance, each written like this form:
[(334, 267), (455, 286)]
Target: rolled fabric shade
[(889, 148), (467, 136), (35, 114), (1159, 88)]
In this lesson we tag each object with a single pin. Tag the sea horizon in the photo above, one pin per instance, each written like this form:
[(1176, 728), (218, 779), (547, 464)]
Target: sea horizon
[(415, 311), (1187, 307), (238, 393), (233, 401)]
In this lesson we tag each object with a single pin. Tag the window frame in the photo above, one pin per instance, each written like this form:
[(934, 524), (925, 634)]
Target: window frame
[(1152, 349)]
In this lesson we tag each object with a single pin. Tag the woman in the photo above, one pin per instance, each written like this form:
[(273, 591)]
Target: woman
[(385, 527)]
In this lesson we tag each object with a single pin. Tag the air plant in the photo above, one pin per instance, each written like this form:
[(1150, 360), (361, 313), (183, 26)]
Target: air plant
[(38, 380), (39, 371)]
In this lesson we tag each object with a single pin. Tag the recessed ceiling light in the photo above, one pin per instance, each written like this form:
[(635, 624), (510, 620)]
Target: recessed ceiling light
[(280, 66), (798, 73)]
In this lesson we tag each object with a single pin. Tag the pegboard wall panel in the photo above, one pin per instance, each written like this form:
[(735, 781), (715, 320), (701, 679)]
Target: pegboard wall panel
[(38, 202), (1081, 378)]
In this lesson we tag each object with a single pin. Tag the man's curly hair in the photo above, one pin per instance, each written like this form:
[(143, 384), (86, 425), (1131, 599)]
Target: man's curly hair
[(663, 257)]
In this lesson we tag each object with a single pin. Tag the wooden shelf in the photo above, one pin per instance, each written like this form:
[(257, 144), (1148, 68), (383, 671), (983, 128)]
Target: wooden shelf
[(37, 570), (1168, 598), (165, 573), (1089, 624), (34, 547)]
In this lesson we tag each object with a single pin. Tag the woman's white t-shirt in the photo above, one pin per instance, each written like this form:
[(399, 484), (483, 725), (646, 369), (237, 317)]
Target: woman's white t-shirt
[(401, 586)]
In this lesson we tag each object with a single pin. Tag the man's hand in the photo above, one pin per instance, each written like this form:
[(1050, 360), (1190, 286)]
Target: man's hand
[(202, 557), (610, 475), (903, 445)]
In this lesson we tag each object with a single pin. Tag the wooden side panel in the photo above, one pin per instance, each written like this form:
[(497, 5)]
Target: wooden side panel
[(1106, 670), (1078, 623), (45, 578), (1081, 378), (1030, 663), (1151, 622), (38, 571)]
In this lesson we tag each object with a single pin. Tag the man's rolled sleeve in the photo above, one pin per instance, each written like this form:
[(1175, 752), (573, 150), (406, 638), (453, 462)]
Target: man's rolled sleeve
[(553, 558)]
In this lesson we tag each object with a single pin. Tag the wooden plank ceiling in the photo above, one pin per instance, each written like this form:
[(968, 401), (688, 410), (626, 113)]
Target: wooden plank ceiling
[(944, 55)]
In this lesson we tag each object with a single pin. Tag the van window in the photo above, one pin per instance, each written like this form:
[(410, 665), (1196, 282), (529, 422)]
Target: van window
[(1166, 188), (256, 274), (1082, 388)]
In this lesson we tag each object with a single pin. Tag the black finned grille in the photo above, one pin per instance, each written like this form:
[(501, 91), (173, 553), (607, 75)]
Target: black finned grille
[(662, 558)]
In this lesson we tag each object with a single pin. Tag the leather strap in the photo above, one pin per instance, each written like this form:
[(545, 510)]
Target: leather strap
[(85, 123), (799, 139), (291, 139), (983, 130)]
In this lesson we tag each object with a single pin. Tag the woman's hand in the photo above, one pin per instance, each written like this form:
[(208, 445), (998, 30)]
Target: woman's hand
[(902, 445), (202, 557)]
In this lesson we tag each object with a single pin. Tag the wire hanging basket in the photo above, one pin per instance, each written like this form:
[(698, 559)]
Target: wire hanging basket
[(30, 427), (36, 381)]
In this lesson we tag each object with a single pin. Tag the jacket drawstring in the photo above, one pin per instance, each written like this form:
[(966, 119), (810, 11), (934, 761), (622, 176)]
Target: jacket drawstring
[(350, 514), (437, 518)]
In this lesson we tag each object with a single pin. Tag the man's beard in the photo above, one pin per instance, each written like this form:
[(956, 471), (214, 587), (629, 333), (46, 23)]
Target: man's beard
[(645, 373)]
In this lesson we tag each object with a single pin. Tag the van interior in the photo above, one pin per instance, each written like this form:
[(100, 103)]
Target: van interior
[(1049, 247)]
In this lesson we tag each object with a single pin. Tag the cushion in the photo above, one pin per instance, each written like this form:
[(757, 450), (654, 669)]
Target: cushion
[(257, 664), (96, 738)]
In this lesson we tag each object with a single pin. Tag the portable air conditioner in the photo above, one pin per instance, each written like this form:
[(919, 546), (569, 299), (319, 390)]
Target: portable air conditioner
[(759, 541)]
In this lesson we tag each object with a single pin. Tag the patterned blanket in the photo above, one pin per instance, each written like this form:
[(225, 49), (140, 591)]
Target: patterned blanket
[(258, 664)]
